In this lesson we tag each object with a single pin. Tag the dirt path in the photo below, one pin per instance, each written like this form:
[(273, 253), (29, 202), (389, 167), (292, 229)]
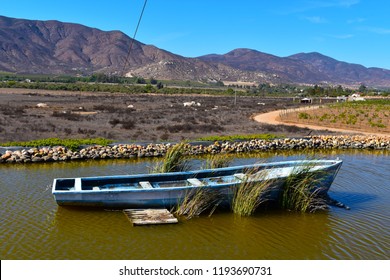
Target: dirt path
[(273, 118)]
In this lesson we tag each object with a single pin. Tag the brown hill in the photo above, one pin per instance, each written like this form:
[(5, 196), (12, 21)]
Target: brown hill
[(53, 47), (335, 71), (312, 68)]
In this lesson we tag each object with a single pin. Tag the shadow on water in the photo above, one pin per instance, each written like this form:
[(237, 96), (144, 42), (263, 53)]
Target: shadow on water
[(353, 199)]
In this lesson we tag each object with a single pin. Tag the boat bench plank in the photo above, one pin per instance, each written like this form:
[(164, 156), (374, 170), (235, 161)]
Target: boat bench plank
[(196, 182), (77, 184), (240, 176), (146, 185)]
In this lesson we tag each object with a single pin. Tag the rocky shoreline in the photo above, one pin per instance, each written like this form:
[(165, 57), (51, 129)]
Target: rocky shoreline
[(123, 151)]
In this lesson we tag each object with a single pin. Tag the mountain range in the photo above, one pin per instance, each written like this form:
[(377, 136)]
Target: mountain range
[(54, 47)]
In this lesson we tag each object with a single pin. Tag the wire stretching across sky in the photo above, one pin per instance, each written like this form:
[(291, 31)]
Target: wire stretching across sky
[(133, 39)]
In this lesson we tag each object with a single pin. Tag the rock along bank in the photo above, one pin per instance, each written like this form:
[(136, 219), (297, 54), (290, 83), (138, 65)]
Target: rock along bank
[(123, 151)]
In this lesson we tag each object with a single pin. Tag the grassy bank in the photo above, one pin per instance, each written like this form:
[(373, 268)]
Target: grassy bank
[(72, 144)]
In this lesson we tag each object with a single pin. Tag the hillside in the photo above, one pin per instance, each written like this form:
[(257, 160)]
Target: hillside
[(53, 47), (309, 68)]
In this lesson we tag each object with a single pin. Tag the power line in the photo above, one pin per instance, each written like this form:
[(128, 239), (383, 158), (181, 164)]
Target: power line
[(133, 39)]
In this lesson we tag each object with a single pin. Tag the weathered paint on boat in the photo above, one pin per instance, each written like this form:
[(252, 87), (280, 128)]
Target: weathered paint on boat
[(169, 189)]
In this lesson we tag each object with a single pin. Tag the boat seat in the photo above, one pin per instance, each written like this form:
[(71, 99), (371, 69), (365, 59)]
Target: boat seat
[(195, 182), (77, 184), (146, 185), (96, 189), (240, 176)]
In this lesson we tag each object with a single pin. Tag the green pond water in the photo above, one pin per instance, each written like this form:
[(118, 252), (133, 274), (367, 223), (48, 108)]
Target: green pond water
[(34, 227)]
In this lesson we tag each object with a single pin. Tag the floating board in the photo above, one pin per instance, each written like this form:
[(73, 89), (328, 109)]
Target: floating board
[(140, 217)]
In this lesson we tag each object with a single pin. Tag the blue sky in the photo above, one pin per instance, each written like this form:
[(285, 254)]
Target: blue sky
[(355, 31)]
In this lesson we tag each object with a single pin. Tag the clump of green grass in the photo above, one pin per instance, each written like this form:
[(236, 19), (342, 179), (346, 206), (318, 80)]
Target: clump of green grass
[(72, 144), (250, 194), (301, 191), (174, 160), (198, 200)]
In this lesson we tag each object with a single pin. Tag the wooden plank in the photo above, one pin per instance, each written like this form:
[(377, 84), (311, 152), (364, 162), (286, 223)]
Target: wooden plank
[(150, 216)]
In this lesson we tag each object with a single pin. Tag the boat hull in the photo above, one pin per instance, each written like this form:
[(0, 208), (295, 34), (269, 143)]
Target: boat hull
[(169, 189)]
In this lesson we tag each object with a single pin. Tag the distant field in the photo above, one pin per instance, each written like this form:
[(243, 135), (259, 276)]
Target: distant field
[(123, 117), (369, 116)]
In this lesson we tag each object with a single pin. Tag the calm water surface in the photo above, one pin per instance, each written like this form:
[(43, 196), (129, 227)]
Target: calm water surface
[(34, 227)]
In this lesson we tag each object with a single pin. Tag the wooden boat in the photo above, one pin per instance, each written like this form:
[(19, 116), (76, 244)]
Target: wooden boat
[(169, 189)]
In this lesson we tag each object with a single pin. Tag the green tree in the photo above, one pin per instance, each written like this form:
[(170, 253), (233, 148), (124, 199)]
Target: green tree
[(363, 88), (159, 85)]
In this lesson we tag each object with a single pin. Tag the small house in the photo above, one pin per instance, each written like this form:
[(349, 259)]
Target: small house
[(355, 97), (306, 100)]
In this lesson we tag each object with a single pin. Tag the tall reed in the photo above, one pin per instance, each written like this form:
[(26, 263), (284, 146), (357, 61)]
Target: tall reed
[(198, 200), (250, 193), (217, 161), (301, 191), (174, 160)]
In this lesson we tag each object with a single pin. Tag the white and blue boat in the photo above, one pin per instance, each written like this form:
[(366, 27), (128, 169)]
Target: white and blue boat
[(165, 190)]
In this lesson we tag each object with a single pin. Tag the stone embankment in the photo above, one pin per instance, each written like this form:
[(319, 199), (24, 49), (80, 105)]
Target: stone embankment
[(120, 151)]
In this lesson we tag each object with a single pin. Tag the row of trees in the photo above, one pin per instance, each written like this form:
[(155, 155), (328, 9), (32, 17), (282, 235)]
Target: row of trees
[(114, 83), (112, 88)]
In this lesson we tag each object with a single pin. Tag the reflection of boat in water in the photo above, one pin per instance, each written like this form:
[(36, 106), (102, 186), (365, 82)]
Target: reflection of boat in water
[(169, 189)]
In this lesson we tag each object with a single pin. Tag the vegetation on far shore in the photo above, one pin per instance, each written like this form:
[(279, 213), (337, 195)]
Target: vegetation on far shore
[(72, 144)]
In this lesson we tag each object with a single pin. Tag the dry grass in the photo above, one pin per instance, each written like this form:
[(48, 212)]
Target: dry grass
[(132, 117)]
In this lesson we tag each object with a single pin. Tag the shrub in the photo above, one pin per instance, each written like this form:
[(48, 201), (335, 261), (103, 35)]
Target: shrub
[(128, 124), (303, 115)]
